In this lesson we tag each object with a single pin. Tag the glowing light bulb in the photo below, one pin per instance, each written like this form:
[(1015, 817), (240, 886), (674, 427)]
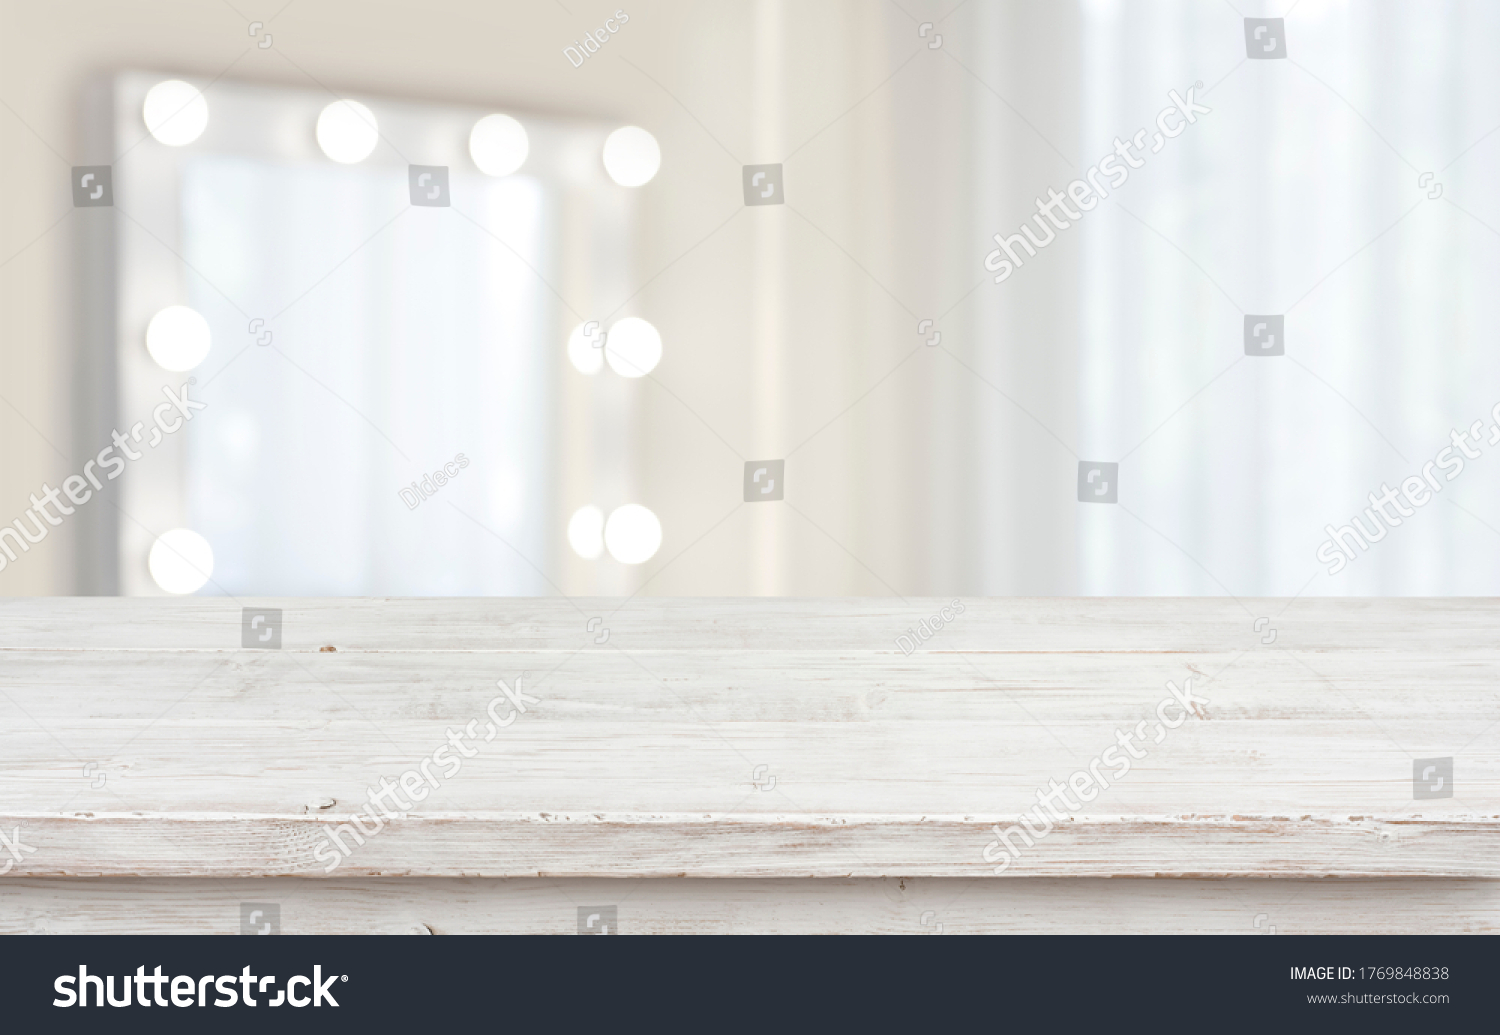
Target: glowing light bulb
[(585, 349), (632, 534), (586, 532), (631, 156), (181, 561), (347, 131), (175, 112), (498, 145), (178, 338), (633, 347)]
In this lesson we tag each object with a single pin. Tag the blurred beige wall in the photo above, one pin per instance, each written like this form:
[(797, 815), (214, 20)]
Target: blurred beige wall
[(789, 331)]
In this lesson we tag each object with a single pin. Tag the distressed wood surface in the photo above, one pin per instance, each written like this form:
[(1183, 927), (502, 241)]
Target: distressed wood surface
[(749, 738), (912, 906)]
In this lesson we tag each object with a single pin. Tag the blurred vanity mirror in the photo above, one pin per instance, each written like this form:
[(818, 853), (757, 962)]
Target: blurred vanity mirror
[(780, 314), (362, 303)]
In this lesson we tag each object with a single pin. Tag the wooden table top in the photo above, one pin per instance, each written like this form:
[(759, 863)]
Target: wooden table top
[(751, 737)]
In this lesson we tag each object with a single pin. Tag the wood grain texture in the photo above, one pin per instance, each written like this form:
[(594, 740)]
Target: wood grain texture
[(912, 906), (746, 845), (137, 737)]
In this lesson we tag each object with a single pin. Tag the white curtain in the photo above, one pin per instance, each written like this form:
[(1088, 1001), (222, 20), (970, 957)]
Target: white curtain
[(1301, 195)]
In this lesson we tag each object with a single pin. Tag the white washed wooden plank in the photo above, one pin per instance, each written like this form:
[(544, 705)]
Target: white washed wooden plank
[(915, 906), (260, 733), (745, 845), (853, 731), (983, 768), (760, 624)]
